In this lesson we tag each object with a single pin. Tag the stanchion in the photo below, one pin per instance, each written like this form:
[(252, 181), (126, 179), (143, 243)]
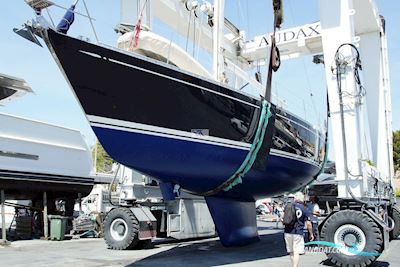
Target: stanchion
[(45, 219), (3, 240)]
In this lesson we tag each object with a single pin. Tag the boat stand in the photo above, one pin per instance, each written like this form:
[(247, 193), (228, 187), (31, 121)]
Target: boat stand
[(3, 240), (45, 218)]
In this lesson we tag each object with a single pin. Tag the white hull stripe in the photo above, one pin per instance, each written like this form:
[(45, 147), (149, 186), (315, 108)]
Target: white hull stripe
[(107, 123), (163, 132), (167, 77)]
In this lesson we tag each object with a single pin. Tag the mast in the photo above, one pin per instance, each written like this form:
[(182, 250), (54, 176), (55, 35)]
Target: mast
[(218, 35)]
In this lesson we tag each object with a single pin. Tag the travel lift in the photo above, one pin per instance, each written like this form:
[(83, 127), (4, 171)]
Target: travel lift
[(351, 37)]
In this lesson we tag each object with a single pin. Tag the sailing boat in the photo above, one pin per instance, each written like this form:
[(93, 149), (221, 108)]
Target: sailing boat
[(155, 109)]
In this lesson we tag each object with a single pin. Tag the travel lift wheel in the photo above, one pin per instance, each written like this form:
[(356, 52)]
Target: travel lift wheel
[(396, 218), (349, 228), (121, 229)]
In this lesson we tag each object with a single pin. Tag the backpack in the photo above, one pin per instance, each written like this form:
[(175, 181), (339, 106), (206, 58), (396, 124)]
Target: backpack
[(289, 216)]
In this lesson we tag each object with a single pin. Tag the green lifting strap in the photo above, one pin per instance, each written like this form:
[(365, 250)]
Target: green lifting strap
[(255, 147), (324, 161), (248, 162)]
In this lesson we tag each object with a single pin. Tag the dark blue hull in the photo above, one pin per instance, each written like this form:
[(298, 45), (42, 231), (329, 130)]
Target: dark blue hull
[(200, 166)]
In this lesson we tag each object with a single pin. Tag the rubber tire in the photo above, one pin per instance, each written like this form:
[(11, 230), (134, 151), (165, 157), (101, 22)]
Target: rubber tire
[(396, 218), (371, 230), (132, 238)]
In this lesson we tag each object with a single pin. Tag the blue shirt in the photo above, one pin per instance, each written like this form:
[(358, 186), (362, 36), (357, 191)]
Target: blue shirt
[(302, 215), (311, 208)]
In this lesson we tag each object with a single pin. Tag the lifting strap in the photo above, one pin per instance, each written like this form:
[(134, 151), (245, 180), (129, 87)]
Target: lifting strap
[(325, 160), (247, 164), (274, 57), (261, 145)]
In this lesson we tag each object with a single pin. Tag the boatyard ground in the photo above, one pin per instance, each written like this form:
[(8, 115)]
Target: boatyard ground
[(207, 252)]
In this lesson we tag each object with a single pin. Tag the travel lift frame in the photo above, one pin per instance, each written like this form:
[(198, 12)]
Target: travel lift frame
[(351, 36)]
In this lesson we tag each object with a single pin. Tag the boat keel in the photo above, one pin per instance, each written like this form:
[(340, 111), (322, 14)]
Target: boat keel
[(234, 220)]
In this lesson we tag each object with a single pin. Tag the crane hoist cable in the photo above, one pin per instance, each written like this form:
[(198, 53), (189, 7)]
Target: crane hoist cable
[(274, 57)]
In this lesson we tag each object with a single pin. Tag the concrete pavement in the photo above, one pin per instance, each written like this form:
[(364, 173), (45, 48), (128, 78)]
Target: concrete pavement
[(207, 252)]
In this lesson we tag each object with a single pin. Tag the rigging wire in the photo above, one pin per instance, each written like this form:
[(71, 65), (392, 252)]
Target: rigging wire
[(200, 35), (293, 92), (188, 29), (241, 15), (194, 33), (169, 48), (91, 22), (325, 149), (306, 72), (175, 37), (247, 16), (305, 110), (317, 113), (51, 19)]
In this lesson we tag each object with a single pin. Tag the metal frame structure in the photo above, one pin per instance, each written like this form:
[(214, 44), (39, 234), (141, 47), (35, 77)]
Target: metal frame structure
[(351, 36), (366, 116)]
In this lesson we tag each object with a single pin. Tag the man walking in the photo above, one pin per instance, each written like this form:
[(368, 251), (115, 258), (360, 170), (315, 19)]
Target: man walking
[(279, 213), (315, 212), (295, 217)]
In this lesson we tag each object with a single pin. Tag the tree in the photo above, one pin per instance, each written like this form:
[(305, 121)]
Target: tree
[(103, 161), (396, 150)]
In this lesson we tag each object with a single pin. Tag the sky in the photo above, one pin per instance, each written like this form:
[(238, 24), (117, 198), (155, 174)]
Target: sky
[(54, 102)]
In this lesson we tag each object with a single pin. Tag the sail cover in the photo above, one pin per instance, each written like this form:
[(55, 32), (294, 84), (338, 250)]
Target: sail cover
[(67, 20), (158, 47)]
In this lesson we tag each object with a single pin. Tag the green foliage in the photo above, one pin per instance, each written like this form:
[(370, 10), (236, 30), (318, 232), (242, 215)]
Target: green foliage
[(397, 193), (396, 150), (370, 163), (103, 161)]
